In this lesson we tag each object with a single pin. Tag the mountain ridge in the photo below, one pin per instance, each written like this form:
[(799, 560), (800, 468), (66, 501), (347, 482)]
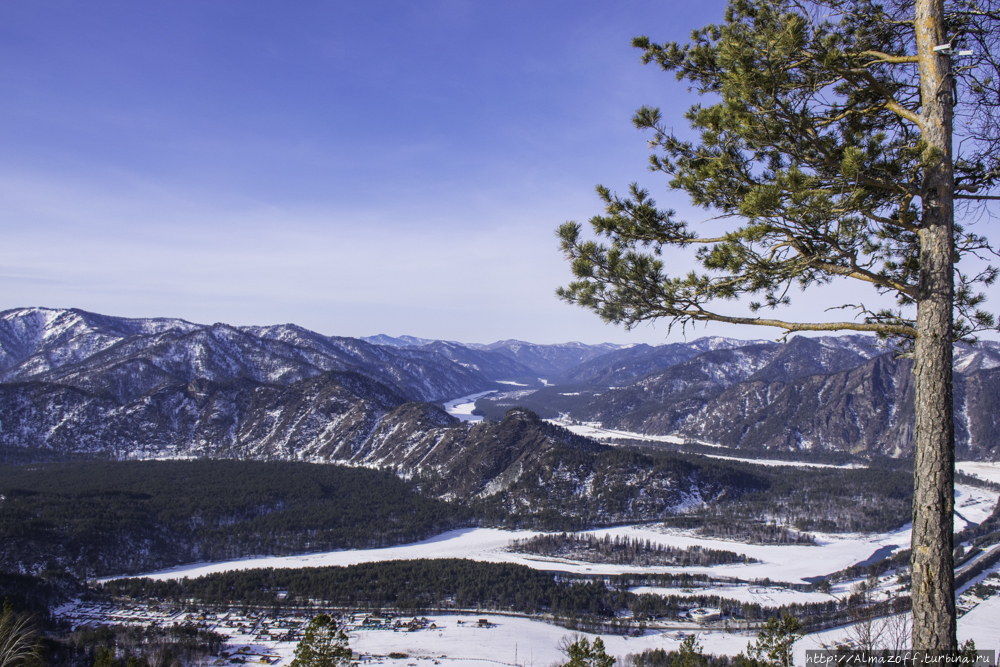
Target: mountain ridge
[(74, 383)]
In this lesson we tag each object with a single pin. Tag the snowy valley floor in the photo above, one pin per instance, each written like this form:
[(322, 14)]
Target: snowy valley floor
[(789, 563), (527, 642)]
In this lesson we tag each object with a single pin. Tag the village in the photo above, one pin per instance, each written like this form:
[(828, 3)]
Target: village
[(253, 637)]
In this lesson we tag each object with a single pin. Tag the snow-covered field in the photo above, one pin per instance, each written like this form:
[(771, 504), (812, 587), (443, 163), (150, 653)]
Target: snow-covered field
[(777, 562), (766, 596), (458, 641), (515, 641), (596, 431), (526, 642), (981, 469)]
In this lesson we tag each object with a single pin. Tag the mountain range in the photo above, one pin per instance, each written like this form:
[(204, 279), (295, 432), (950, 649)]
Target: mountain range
[(77, 384)]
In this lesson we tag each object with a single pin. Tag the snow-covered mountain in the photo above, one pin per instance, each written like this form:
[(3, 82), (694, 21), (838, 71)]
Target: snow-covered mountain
[(843, 393), (74, 383), (128, 358)]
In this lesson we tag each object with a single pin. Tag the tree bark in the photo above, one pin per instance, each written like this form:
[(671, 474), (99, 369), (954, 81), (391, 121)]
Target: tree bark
[(933, 585)]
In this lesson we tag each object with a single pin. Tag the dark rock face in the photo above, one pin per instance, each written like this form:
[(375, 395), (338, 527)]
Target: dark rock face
[(808, 394), (864, 409)]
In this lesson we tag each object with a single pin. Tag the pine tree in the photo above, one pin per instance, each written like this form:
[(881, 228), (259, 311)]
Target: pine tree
[(774, 642), (831, 150), (323, 645), (689, 654), (584, 654)]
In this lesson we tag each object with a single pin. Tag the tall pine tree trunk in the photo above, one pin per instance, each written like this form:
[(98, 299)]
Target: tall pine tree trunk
[(933, 592)]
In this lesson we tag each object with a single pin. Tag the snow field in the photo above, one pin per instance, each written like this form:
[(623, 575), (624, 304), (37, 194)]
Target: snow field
[(778, 562), (513, 640), (533, 643), (766, 596), (983, 469)]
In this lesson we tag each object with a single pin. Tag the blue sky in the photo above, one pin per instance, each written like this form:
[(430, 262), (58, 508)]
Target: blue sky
[(356, 168)]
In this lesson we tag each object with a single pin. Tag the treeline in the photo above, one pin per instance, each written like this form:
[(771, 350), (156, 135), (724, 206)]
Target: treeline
[(420, 586), (754, 532), (102, 518), (690, 446), (835, 500), (410, 586), (658, 657), (623, 551)]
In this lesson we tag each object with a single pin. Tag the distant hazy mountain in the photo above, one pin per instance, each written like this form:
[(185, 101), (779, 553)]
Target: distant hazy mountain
[(619, 366), (525, 359), (550, 360), (398, 341), (493, 364)]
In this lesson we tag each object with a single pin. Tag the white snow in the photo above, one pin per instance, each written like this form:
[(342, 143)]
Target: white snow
[(776, 462), (766, 596), (973, 504), (982, 624), (463, 406), (516, 641), (778, 562), (595, 430), (982, 469)]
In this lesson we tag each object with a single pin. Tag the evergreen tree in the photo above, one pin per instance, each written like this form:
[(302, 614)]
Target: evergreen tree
[(831, 147), (323, 645), (690, 654), (774, 642), (105, 658), (584, 654)]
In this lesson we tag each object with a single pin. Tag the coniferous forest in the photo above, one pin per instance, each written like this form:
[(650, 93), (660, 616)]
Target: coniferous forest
[(623, 551), (104, 518)]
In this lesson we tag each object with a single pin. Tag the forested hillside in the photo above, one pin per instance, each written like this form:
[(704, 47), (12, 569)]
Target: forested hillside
[(102, 518), (95, 519)]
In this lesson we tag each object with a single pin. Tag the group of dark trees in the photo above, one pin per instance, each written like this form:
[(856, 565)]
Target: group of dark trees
[(101, 518), (623, 551), (874, 499), (420, 586), (104, 518)]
